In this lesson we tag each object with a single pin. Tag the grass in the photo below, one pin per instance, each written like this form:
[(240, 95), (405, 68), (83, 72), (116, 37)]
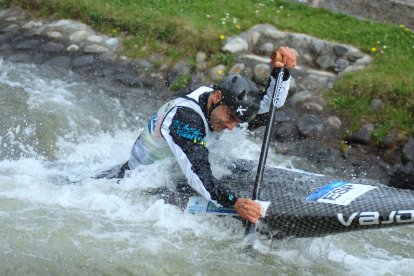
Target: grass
[(180, 28)]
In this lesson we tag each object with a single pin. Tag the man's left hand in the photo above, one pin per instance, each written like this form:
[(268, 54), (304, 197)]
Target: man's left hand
[(248, 209)]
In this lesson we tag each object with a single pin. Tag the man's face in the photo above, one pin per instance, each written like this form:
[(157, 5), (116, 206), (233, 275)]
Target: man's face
[(223, 118)]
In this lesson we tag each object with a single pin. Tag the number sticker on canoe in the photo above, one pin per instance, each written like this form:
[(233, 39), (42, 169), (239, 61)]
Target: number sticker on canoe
[(339, 193)]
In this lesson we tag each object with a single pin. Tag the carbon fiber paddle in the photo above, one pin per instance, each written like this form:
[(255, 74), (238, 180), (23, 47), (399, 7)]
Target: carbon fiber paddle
[(250, 233)]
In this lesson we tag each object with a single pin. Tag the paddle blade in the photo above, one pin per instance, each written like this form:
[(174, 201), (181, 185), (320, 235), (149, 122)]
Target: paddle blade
[(250, 235)]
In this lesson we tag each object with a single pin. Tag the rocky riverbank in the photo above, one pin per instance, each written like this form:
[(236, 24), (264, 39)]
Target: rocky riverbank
[(305, 126)]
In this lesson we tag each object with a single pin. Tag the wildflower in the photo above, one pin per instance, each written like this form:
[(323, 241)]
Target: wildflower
[(222, 36), (238, 27), (373, 49), (114, 30), (220, 72)]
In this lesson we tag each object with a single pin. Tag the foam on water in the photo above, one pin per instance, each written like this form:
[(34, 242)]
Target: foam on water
[(55, 218)]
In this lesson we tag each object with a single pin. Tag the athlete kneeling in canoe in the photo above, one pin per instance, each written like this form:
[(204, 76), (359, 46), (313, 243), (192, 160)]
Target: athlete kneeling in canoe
[(187, 126)]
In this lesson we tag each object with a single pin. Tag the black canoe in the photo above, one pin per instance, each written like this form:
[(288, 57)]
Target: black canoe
[(312, 205)]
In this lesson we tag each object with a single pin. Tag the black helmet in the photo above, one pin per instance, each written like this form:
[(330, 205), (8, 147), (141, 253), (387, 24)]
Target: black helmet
[(241, 95)]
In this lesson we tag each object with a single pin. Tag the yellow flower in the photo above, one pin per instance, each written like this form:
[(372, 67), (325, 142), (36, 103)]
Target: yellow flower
[(402, 26), (220, 72), (114, 30), (237, 26), (373, 49), (222, 36)]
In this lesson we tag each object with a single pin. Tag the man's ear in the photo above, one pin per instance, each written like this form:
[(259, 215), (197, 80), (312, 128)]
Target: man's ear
[(216, 96)]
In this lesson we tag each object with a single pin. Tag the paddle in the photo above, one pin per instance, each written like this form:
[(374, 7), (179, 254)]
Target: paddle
[(250, 234)]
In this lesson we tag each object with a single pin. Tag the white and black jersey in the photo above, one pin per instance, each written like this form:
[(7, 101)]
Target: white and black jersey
[(181, 128)]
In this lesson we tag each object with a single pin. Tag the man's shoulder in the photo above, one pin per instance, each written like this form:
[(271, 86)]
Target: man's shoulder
[(195, 95), (188, 115)]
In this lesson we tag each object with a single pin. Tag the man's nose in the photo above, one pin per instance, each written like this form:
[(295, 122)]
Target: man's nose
[(231, 125)]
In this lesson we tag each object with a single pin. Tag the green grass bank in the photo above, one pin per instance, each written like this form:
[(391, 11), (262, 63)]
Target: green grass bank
[(181, 28)]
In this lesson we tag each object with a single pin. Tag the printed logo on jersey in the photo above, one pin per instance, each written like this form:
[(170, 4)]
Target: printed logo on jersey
[(151, 122), (187, 132)]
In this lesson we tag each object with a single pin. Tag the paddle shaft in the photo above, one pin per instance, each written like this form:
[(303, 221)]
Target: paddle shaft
[(251, 227), (266, 141)]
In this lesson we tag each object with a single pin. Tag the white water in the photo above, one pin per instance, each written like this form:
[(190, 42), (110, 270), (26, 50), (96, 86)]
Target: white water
[(57, 132)]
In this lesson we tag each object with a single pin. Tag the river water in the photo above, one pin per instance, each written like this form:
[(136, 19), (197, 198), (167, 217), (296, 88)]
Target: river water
[(58, 130)]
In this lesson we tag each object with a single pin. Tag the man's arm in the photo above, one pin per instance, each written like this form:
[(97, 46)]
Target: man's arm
[(184, 131), (282, 94), (288, 56)]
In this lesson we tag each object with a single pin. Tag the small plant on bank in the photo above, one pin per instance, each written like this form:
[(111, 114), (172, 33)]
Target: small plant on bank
[(182, 81)]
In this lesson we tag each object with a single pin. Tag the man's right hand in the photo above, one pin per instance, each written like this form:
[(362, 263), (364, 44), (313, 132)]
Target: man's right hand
[(284, 56), (248, 209)]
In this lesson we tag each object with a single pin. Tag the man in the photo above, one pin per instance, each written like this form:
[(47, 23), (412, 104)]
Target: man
[(185, 127)]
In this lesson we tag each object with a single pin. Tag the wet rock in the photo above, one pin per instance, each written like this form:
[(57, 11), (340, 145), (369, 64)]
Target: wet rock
[(60, 61), (355, 55), (20, 58), (79, 36), (363, 135), (286, 131), (12, 28), (82, 61), (132, 80), (261, 73), (73, 48), (201, 63), (340, 50), (318, 46), (394, 139), (285, 115), (403, 177), (28, 44), (365, 60), (143, 66), (113, 43), (341, 64), (32, 25), (300, 97), (266, 48), (54, 34), (238, 68), (408, 150), (376, 105), (4, 38), (236, 45), (312, 107), (40, 58), (309, 125), (325, 62), (5, 46), (95, 49), (51, 47), (333, 122)]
